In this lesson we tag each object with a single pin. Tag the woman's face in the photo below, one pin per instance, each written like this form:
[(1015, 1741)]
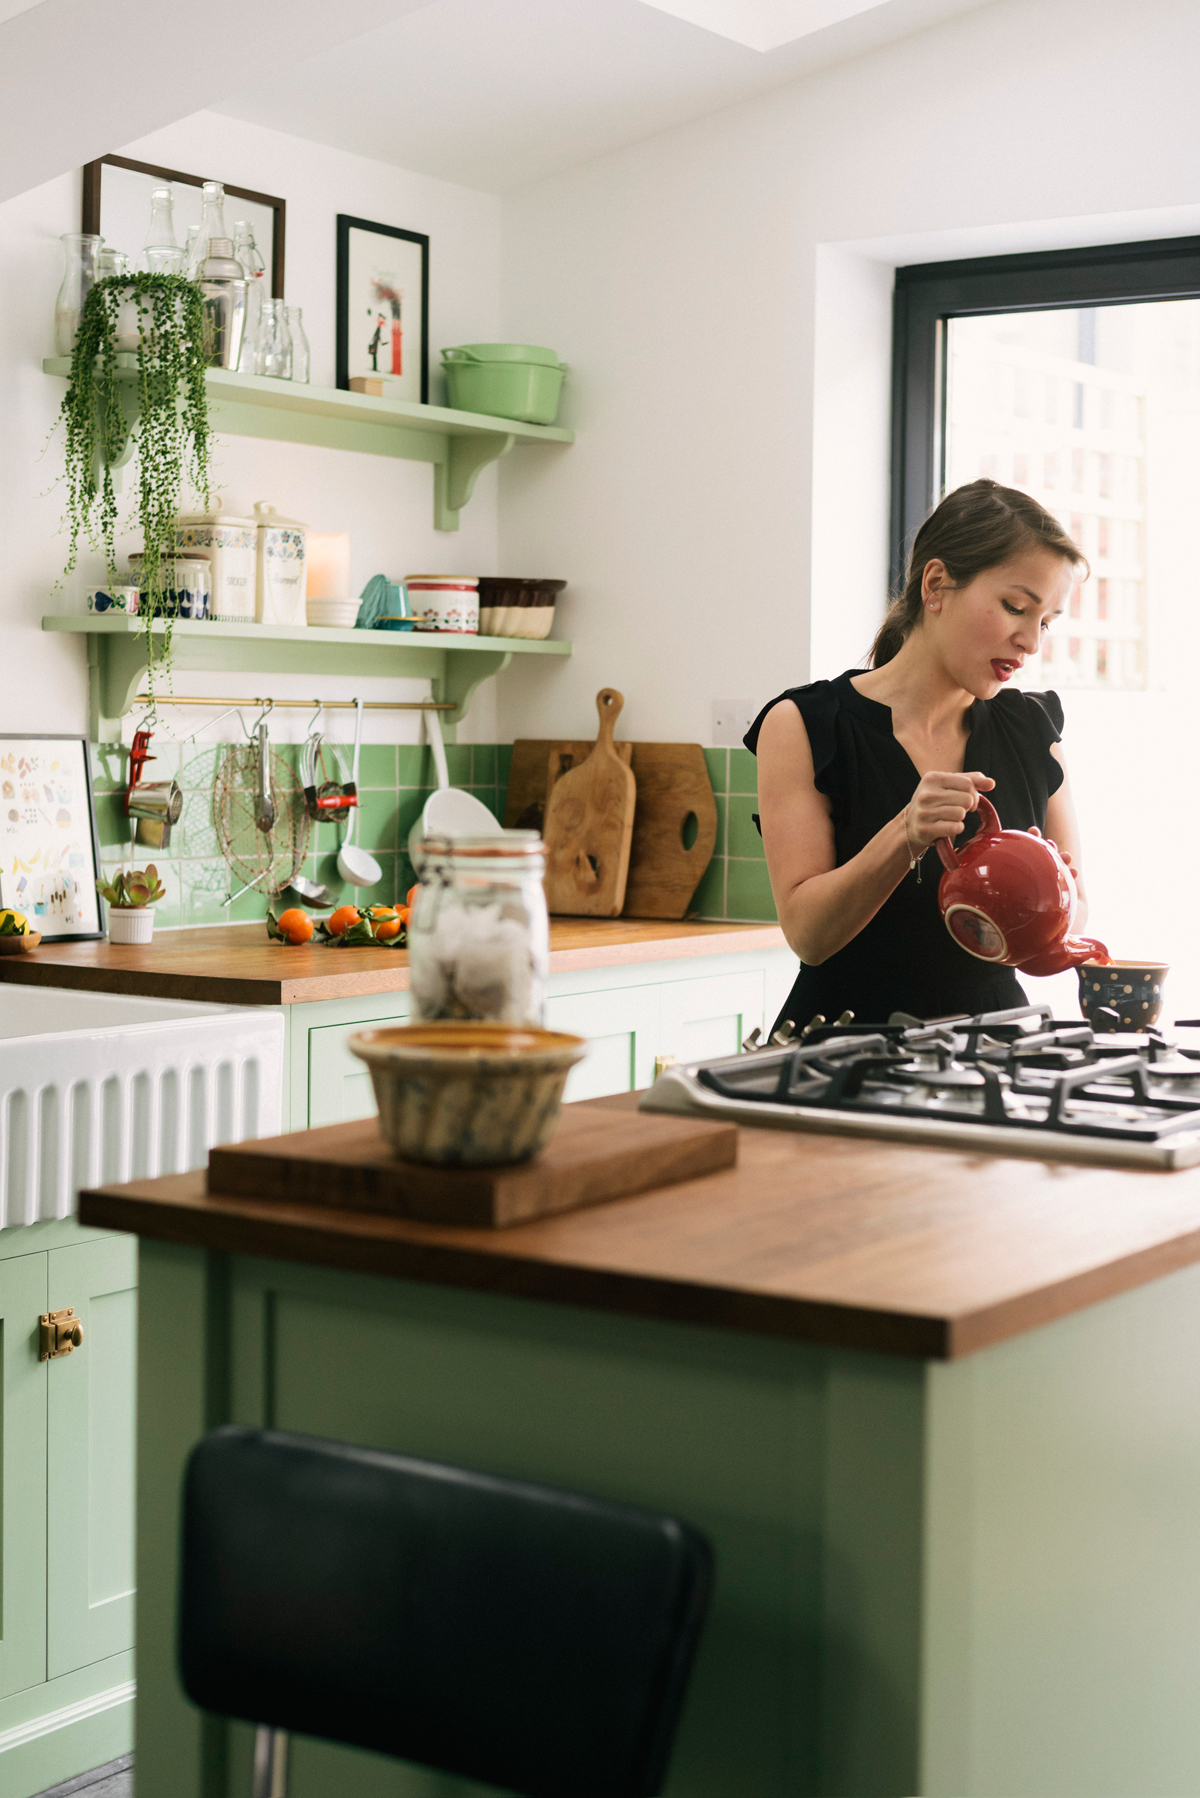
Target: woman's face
[(983, 632)]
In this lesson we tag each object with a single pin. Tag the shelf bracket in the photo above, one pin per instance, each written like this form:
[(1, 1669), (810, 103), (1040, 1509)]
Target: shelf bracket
[(454, 479), (461, 676), (115, 669)]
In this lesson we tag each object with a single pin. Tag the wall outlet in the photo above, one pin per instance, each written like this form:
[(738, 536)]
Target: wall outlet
[(731, 719)]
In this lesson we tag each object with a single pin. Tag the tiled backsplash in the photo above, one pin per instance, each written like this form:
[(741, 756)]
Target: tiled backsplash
[(394, 783)]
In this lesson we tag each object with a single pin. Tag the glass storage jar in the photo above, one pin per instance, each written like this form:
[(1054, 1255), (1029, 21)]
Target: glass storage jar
[(478, 932), (186, 586)]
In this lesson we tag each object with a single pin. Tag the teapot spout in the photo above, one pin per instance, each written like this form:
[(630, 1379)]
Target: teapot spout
[(1072, 952)]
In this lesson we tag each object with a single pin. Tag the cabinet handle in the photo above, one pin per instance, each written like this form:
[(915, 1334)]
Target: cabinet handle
[(59, 1333)]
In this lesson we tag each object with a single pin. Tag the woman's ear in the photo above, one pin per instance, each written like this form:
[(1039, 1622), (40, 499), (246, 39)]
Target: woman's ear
[(934, 581)]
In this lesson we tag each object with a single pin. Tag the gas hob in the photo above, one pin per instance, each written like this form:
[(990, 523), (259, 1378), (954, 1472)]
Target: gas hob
[(1017, 1082)]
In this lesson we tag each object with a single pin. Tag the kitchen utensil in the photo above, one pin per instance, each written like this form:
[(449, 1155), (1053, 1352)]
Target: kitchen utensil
[(223, 285), (326, 798), (1129, 994), (354, 864), (156, 804), (589, 826), (505, 380), (311, 891), (514, 608), (263, 860), (595, 1154), (1008, 897), (443, 602), (280, 578), (264, 817), (448, 812)]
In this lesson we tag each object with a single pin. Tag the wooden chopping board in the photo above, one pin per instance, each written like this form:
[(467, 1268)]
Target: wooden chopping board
[(674, 823), (596, 1153), (589, 826)]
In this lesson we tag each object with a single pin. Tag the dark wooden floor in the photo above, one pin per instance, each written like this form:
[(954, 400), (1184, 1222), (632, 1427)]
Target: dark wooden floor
[(113, 1780)]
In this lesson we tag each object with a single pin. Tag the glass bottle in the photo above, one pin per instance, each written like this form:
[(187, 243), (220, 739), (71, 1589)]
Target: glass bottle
[(250, 257), (212, 224), (81, 250), (223, 285), (161, 253), (478, 933), (301, 356), (111, 262), (275, 347)]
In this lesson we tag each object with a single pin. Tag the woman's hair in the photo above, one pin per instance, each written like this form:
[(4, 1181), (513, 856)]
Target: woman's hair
[(976, 527)]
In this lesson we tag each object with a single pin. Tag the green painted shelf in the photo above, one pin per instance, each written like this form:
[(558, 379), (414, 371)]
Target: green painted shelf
[(118, 657), (458, 444)]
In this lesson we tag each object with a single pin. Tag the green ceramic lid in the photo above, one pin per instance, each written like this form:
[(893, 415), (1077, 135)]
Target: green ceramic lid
[(508, 352)]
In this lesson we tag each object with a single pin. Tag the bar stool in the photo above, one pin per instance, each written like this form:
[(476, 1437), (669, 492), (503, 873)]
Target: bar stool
[(527, 1638)]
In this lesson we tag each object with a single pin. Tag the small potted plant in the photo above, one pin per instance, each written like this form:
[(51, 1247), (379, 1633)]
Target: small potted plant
[(131, 894)]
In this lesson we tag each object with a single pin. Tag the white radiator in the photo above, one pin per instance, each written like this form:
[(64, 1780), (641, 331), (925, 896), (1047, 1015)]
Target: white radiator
[(97, 1088)]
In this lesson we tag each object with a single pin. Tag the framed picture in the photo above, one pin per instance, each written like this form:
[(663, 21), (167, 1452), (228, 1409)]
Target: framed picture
[(49, 854), (383, 307), (116, 206)]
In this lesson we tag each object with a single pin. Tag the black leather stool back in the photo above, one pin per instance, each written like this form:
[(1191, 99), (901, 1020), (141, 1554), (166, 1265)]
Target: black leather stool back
[(524, 1637)]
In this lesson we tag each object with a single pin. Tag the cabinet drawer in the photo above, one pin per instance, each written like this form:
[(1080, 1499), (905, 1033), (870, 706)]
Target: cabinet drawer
[(622, 1032), (711, 1016), (339, 1086)]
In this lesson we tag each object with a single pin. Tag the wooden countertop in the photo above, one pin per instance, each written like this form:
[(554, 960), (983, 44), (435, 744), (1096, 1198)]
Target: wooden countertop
[(236, 964), (924, 1252)]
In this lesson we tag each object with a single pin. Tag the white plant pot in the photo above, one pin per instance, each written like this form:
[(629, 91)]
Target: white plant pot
[(132, 925), (130, 318)]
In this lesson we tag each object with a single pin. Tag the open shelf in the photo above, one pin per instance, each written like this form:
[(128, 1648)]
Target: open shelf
[(117, 657), (458, 444)]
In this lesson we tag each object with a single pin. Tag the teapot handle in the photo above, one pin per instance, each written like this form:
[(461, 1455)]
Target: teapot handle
[(989, 826)]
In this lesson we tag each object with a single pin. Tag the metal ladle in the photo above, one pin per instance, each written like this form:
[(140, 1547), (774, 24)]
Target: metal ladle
[(354, 864)]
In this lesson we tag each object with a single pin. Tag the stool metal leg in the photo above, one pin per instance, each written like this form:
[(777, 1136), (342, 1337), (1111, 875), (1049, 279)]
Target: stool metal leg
[(270, 1762)]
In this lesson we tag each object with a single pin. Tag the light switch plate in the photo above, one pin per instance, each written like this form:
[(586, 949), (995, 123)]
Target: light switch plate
[(731, 719)]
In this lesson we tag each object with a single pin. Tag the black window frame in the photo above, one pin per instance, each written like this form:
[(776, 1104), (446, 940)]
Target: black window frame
[(928, 295)]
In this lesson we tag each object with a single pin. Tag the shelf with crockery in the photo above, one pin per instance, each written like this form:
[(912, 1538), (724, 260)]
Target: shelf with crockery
[(118, 657), (458, 444)]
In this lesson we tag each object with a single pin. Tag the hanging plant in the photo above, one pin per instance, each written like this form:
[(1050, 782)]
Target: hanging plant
[(168, 407)]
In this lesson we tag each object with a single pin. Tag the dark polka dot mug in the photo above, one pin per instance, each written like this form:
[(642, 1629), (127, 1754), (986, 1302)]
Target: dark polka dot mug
[(1132, 990)]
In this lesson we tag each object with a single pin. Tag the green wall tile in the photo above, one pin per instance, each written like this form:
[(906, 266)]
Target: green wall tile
[(483, 764), (722, 804), (503, 762), (375, 829), (748, 892), (376, 765), (410, 759), (109, 767), (743, 772), (744, 839), (198, 765), (112, 826), (709, 898), (718, 769), (458, 764)]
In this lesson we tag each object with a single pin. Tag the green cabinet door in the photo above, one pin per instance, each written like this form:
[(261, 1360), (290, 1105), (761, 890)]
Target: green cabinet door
[(712, 1015), (621, 1026), (339, 1086), (22, 1475), (90, 1414)]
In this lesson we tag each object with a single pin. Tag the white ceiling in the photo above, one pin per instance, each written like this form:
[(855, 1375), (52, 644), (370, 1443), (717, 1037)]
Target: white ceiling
[(497, 94)]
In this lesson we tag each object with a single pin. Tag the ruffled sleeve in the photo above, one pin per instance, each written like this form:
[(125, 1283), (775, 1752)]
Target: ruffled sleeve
[(1037, 720), (817, 704)]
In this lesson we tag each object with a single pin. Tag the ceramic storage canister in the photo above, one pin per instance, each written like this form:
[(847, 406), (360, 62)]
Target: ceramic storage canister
[(230, 544), (281, 584)]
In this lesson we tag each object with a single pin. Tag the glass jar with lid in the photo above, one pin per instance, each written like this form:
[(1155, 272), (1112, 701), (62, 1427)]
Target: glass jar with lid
[(479, 933), (186, 586)]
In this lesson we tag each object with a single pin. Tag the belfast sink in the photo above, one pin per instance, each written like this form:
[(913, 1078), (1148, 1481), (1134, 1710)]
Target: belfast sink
[(98, 1087)]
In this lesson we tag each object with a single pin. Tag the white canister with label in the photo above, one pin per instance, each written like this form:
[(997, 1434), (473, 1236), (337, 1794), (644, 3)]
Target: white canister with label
[(281, 585), (444, 602), (230, 543)]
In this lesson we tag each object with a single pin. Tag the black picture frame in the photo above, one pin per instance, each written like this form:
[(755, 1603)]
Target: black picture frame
[(345, 225), (93, 173), (93, 874), (928, 295)]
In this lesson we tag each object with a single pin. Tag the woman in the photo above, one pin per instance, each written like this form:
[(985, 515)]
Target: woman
[(858, 777)]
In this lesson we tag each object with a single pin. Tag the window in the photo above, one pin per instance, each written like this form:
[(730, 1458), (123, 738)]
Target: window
[(1076, 376)]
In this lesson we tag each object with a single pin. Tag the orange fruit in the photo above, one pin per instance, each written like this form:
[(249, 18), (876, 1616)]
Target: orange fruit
[(411, 895), (296, 925), (386, 920), (339, 922)]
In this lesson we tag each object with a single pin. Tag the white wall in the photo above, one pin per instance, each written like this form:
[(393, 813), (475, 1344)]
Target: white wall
[(725, 479), (386, 505)]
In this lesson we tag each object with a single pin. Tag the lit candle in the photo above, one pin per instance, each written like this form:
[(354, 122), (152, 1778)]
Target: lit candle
[(329, 565)]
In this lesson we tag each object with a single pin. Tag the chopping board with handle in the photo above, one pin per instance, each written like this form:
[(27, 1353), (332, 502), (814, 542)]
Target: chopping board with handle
[(589, 826), (674, 825)]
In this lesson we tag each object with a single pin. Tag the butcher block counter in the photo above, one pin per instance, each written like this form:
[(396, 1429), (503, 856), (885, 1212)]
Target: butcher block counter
[(938, 1411)]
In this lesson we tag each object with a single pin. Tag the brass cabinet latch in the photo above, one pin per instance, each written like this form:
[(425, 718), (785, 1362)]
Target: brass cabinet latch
[(61, 1334)]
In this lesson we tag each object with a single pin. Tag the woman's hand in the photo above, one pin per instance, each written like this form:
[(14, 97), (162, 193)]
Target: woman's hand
[(939, 807)]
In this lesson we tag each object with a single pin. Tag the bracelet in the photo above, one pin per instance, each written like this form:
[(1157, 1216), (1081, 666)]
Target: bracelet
[(914, 861)]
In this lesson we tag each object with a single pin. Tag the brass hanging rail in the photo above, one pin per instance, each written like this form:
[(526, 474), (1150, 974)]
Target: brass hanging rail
[(327, 705)]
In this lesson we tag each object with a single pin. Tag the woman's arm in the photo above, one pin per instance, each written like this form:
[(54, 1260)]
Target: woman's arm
[(1062, 827), (820, 906)]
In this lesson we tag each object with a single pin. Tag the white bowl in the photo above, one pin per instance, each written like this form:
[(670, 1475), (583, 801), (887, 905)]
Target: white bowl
[(334, 614)]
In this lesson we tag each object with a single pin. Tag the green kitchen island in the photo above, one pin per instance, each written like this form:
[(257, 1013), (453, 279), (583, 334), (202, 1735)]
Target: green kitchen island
[(939, 1413)]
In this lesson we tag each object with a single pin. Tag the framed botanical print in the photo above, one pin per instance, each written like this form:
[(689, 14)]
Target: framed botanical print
[(383, 307), (49, 853)]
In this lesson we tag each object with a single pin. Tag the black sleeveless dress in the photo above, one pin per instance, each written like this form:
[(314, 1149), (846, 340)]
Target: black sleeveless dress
[(905, 959)]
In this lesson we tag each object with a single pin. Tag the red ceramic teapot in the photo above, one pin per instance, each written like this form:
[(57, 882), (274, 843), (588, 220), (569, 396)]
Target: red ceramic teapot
[(1008, 897)]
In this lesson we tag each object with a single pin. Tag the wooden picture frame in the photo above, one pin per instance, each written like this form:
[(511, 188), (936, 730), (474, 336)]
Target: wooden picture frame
[(93, 176), (410, 251), (43, 792)]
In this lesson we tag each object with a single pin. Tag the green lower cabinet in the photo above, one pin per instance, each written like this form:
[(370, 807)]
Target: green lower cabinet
[(339, 1086), (67, 1515), (622, 1032)]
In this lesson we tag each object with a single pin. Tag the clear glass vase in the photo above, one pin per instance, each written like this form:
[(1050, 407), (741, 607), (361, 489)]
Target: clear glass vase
[(275, 344), (161, 253), (250, 257), (82, 251), (301, 355)]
